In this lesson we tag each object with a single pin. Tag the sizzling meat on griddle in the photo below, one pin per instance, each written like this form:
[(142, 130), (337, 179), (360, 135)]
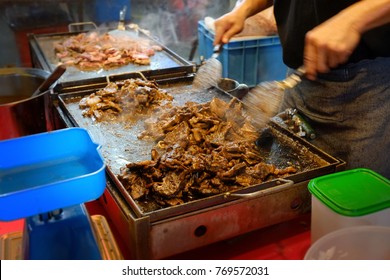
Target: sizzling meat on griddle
[(205, 149), (94, 51), (131, 95)]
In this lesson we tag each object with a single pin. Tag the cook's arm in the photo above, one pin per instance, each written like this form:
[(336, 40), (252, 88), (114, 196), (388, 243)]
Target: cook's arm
[(331, 43), (233, 22)]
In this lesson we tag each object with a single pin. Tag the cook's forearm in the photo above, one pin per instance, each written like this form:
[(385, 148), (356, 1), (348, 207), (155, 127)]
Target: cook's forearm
[(251, 7), (331, 43), (367, 14)]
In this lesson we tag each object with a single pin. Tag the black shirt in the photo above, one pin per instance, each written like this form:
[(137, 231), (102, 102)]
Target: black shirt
[(296, 17)]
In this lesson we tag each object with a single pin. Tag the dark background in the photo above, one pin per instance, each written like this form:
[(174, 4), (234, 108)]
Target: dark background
[(173, 22)]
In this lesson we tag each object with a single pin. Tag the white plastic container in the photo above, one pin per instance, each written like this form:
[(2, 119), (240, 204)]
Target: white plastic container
[(350, 198), (352, 243)]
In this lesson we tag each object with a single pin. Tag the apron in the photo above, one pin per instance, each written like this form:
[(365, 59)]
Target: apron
[(349, 109)]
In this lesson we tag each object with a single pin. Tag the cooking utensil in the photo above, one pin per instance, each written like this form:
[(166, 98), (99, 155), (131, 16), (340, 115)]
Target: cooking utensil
[(264, 100), (210, 72), (53, 77), (122, 14)]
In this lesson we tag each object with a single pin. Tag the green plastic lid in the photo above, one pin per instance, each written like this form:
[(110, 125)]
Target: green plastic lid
[(355, 192)]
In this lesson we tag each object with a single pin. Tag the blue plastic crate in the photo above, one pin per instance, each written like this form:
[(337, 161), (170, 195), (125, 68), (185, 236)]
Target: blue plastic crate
[(107, 11), (248, 61)]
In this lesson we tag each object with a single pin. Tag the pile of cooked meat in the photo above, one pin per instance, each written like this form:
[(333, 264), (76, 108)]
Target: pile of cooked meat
[(127, 96), (201, 150), (94, 51)]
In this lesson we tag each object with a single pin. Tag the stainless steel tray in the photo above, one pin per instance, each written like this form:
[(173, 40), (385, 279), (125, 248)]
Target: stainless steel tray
[(43, 56), (120, 146)]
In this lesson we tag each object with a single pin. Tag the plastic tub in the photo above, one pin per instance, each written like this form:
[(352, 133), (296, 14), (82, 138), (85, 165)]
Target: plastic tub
[(47, 171), (350, 198), (352, 243)]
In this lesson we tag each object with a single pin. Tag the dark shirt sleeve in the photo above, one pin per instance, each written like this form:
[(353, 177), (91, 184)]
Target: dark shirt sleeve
[(296, 17)]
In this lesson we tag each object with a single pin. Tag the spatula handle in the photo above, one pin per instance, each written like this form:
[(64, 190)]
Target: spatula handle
[(54, 76), (216, 50), (294, 78), (300, 72)]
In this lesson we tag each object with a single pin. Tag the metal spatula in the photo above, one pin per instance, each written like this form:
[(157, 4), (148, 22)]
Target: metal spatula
[(122, 15), (264, 100), (210, 73)]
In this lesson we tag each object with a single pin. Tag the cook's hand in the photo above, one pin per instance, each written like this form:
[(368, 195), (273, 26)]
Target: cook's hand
[(329, 45), (227, 26)]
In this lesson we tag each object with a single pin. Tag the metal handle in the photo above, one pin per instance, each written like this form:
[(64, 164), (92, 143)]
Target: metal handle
[(300, 72), (294, 78), (286, 184), (122, 15), (72, 26), (217, 50), (111, 78), (49, 81)]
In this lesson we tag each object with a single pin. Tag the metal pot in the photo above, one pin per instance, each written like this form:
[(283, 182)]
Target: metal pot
[(21, 113)]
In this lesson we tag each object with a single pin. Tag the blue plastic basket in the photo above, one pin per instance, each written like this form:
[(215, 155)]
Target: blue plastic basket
[(248, 61), (47, 171), (107, 11)]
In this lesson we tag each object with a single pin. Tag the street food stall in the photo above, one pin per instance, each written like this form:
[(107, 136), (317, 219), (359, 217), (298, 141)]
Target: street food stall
[(185, 176)]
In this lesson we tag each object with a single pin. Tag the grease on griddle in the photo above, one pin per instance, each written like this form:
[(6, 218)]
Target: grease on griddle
[(121, 144), (204, 150)]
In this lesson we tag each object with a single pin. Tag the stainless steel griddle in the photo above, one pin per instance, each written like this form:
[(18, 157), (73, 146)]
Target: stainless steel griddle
[(43, 56), (164, 232), (173, 230)]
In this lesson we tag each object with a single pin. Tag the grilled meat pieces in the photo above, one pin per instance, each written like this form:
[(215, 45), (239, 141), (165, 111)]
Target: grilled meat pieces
[(129, 96), (93, 51), (202, 150)]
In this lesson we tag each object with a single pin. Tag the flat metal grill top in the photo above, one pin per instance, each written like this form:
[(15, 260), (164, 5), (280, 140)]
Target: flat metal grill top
[(43, 47), (120, 144)]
